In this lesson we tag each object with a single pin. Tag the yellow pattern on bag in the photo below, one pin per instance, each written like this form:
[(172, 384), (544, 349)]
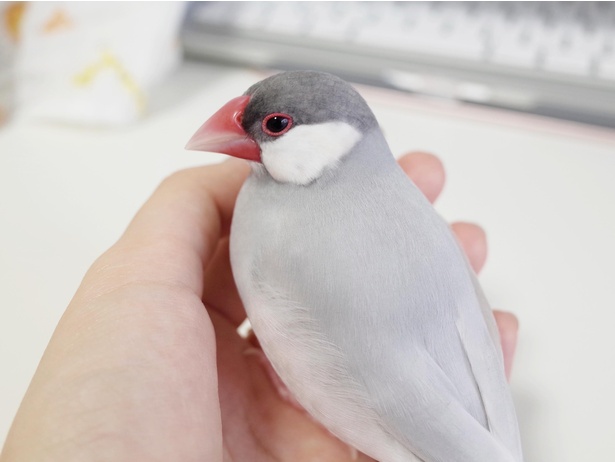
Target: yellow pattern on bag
[(109, 61)]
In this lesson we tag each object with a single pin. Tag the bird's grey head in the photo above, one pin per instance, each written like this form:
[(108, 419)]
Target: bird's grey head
[(298, 124), (308, 98)]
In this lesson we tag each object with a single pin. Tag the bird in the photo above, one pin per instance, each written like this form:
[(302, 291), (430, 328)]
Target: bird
[(357, 290)]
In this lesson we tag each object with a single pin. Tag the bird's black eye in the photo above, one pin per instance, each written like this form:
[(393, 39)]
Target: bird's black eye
[(277, 124)]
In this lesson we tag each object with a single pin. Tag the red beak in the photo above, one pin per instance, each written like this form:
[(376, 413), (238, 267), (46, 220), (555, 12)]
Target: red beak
[(223, 133)]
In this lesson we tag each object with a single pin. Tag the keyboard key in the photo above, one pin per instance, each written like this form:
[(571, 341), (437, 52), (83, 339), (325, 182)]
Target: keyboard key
[(284, 18), (515, 52)]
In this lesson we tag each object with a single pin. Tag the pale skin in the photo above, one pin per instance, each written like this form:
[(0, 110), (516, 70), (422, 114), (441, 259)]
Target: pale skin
[(146, 363)]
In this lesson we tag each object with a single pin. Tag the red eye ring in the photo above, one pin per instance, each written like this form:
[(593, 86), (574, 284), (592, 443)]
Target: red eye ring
[(277, 124)]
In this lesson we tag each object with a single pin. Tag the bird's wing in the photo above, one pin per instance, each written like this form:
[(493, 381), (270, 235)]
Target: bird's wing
[(484, 353), (425, 414), (450, 377)]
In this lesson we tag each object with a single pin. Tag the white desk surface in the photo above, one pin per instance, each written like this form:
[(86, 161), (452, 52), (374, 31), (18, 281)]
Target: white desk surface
[(544, 191)]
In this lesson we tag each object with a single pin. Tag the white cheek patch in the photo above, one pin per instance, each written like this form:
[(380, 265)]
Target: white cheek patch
[(301, 155)]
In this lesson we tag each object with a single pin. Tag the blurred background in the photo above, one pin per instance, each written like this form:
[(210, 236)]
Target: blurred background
[(517, 98)]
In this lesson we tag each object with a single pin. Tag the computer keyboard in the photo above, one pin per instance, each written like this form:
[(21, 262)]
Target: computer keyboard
[(550, 58)]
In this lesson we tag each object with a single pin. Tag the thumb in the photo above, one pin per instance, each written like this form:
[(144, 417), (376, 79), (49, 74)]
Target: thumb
[(175, 233)]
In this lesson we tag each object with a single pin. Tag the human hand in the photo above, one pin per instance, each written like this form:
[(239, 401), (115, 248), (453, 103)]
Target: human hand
[(146, 364)]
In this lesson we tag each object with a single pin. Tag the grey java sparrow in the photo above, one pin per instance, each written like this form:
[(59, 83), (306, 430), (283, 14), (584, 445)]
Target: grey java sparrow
[(356, 288)]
